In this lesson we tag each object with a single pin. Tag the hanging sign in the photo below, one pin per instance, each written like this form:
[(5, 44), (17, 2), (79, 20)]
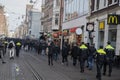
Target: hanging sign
[(78, 31)]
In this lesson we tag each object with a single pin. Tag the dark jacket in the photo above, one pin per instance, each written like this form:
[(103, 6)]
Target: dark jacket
[(92, 51), (50, 48), (64, 50), (110, 53), (83, 52), (74, 51), (100, 56)]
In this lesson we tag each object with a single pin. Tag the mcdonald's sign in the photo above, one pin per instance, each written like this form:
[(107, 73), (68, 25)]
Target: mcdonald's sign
[(113, 19)]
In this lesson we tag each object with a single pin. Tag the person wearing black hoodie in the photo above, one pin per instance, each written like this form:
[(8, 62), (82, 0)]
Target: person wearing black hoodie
[(74, 53)]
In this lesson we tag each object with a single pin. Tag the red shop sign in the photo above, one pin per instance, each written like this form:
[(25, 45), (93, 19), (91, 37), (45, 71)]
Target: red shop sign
[(55, 35), (72, 30)]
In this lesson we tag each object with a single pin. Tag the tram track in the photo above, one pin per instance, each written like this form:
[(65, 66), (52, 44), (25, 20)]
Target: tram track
[(53, 69), (36, 75)]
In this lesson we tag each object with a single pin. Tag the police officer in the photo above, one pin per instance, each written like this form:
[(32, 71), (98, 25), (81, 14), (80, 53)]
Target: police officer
[(83, 55), (109, 58), (18, 47), (100, 59)]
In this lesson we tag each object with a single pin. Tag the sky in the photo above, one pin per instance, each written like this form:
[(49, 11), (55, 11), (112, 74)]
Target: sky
[(15, 11)]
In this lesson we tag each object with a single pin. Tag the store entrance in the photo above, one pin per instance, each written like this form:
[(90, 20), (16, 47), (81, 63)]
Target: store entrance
[(112, 36), (101, 38)]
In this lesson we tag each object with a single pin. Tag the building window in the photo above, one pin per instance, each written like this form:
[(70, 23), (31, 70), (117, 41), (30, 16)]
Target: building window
[(104, 2), (115, 1), (92, 5), (97, 5), (57, 3), (75, 8), (29, 32), (109, 2), (56, 21)]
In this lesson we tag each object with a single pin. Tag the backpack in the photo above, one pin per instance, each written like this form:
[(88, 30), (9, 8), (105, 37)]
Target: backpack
[(10, 45)]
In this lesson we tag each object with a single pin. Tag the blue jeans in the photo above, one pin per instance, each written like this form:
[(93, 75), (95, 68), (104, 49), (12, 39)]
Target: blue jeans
[(90, 62)]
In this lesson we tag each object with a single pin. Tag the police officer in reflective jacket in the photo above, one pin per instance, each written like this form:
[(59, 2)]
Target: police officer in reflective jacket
[(100, 59), (83, 55), (109, 58), (18, 47)]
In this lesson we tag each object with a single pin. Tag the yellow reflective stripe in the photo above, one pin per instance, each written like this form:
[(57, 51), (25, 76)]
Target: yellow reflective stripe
[(5, 42), (109, 47), (83, 47), (18, 44), (101, 51)]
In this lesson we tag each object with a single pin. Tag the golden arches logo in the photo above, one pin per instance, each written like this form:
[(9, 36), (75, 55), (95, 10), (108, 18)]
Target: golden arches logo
[(112, 19)]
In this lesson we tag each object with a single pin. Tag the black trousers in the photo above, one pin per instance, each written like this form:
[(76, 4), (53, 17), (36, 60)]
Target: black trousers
[(17, 52), (82, 64), (99, 66), (109, 64), (64, 59), (2, 54), (50, 59), (74, 61)]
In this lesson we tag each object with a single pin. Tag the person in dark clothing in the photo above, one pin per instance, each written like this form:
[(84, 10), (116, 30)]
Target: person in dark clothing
[(91, 54), (88, 46), (2, 52), (74, 53), (39, 47), (83, 55), (64, 54), (5, 43), (44, 46), (56, 51), (100, 59), (50, 53), (110, 53)]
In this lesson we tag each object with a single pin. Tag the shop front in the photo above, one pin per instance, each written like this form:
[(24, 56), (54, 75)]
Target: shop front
[(72, 37)]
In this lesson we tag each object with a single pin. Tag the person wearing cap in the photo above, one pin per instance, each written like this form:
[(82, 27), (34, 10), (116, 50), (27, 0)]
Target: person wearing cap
[(100, 59), (110, 53)]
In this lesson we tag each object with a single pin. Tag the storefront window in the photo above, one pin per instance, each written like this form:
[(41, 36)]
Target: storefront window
[(112, 36), (101, 38)]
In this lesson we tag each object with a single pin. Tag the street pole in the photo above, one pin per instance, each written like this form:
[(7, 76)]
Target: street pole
[(60, 23)]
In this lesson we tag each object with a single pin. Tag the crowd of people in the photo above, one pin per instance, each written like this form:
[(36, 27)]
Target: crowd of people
[(11, 47), (81, 53)]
